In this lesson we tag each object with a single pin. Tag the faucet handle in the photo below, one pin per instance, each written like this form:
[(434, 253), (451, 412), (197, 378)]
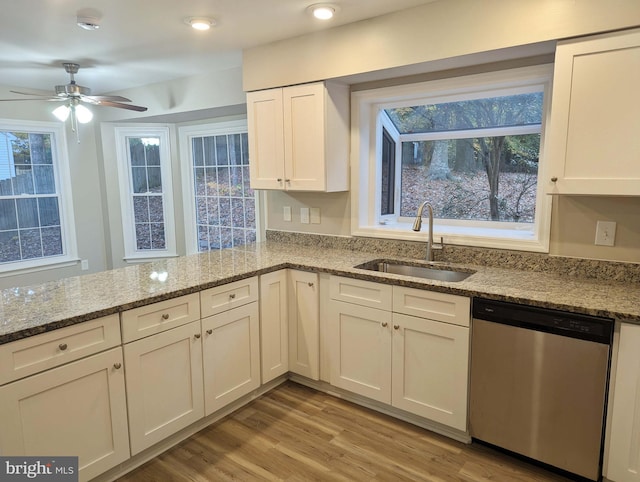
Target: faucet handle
[(439, 245)]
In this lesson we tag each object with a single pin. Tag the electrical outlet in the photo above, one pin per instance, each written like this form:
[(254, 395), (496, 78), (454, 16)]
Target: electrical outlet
[(314, 215), (304, 215), (286, 213), (84, 265), (605, 233)]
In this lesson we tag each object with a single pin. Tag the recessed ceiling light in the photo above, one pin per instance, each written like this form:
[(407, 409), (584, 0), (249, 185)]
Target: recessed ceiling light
[(200, 23), (323, 11), (88, 23)]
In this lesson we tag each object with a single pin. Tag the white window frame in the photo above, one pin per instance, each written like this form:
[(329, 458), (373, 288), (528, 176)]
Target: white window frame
[(131, 252), (185, 136), (366, 132), (69, 256)]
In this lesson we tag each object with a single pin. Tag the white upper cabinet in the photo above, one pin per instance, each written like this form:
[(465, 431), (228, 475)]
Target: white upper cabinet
[(593, 140), (299, 137)]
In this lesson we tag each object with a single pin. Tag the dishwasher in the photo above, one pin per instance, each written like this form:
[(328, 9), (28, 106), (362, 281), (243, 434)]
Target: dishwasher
[(539, 382)]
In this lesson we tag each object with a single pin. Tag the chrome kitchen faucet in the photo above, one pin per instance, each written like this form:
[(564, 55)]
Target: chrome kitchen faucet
[(417, 225)]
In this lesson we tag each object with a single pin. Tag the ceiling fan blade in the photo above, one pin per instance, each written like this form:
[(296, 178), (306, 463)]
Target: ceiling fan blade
[(40, 94), (47, 99), (120, 105), (101, 98)]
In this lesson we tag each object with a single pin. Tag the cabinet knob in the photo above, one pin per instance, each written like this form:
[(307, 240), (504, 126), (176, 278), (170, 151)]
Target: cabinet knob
[(279, 179), (165, 316), (117, 366), (197, 336), (62, 346), (384, 324), (310, 284), (396, 327), (554, 179), (232, 296), (287, 180), (209, 331)]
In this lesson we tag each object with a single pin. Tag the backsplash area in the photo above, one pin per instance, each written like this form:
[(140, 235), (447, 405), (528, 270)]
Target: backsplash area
[(521, 260)]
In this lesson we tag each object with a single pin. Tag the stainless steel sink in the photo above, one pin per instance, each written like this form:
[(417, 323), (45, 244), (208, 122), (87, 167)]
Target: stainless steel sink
[(434, 272)]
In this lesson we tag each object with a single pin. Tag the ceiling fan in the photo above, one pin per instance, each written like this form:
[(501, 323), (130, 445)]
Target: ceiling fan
[(74, 94)]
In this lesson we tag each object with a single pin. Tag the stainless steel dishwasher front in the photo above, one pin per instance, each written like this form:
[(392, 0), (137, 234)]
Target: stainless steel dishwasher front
[(539, 383)]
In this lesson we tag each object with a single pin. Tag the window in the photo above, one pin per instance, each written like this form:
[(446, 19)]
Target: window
[(144, 169), (470, 146), (221, 209), (36, 216)]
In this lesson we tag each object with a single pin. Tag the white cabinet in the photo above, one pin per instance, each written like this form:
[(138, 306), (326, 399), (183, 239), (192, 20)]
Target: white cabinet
[(164, 384), (230, 342), (592, 142), (623, 464), (418, 364), (304, 324), (299, 137), (76, 409), (274, 325)]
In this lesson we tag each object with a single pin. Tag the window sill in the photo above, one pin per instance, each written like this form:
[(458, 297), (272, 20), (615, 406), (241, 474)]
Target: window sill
[(512, 239), (20, 268), (147, 257)]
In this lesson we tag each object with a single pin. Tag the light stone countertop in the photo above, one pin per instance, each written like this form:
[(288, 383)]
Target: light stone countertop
[(27, 311)]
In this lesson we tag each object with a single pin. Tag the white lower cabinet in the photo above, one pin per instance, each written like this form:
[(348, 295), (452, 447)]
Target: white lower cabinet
[(623, 464), (417, 364), (164, 384), (304, 324), (78, 409), (274, 325), (231, 354)]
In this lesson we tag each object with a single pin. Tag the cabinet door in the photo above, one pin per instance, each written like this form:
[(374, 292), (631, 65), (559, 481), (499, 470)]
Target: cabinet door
[(304, 324), (304, 137), (78, 409), (266, 139), (274, 325), (360, 340), (624, 436), (231, 355), (593, 141), (431, 369), (164, 384)]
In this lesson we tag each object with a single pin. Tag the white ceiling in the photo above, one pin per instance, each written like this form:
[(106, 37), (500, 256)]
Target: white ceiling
[(146, 41)]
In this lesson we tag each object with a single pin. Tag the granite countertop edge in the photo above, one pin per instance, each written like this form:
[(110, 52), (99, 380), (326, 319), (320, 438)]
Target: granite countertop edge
[(37, 309)]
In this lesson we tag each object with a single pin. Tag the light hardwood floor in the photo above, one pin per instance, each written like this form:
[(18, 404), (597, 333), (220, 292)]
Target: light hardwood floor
[(294, 433)]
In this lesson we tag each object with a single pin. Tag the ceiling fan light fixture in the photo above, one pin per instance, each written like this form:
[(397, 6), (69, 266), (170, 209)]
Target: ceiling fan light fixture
[(200, 23), (62, 112), (83, 114), (88, 23), (323, 11)]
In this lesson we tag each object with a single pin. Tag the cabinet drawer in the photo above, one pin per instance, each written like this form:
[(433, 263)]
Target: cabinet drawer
[(223, 298), (433, 305), (25, 357), (365, 293), (157, 317)]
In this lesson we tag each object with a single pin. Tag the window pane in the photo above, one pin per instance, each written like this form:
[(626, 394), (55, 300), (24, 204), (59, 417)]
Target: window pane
[(156, 209), (52, 241), (136, 151), (488, 179), (154, 177), (235, 150), (45, 182), (388, 173), (40, 148), (152, 150), (213, 211), (9, 246), (503, 111), (27, 213), (209, 150), (226, 238), (198, 154), (30, 243), (8, 217), (139, 179), (49, 213), (238, 237), (143, 237), (23, 180), (237, 213), (211, 182), (141, 209), (157, 236), (245, 149), (235, 181), (221, 151)]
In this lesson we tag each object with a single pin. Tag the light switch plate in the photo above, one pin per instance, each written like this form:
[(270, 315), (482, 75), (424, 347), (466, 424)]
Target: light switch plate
[(286, 213), (84, 264), (605, 233), (304, 215)]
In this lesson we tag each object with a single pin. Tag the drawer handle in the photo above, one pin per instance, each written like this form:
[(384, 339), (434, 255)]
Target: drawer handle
[(232, 296), (384, 324), (197, 336), (117, 366), (209, 331), (62, 346), (396, 327), (165, 316)]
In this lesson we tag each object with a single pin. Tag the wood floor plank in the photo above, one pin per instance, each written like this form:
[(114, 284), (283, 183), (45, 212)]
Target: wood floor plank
[(294, 433)]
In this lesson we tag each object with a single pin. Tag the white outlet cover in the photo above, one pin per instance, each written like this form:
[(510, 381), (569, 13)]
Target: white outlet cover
[(304, 215), (286, 213), (605, 233), (314, 214)]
